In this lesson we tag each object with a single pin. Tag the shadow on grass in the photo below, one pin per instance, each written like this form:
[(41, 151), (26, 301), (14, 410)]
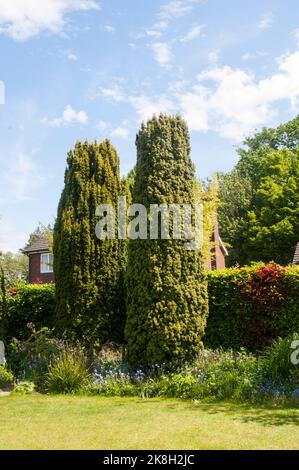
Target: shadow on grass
[(265, 415)]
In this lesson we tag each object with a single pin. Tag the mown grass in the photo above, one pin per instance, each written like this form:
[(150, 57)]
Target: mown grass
[(74, 422)]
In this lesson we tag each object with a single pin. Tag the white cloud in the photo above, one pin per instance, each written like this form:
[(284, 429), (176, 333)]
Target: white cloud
[(23, 19), (195, 32), (172, 10), (102, 125), (175, 9), (162, 53), (266, 21), (121, 132), (145, 106), (161, 24), (113, 92), (194, 108), (69, 116), (296, 36), (109, 29), (255, 55), (12, 236), (153, 33), (23, 177), (233, 102), (177, 86), (229, 101), (213, 57), (71, 56)]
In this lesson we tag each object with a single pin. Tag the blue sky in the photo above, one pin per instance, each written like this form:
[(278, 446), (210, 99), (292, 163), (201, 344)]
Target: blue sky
[(77, 69)]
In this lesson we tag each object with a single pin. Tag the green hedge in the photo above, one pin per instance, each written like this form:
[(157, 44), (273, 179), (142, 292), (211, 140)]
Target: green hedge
[(29, 304), (249, 307)]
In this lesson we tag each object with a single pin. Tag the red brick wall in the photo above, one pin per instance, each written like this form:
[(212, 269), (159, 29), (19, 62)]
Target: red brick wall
[(217, 258), (35, 276)]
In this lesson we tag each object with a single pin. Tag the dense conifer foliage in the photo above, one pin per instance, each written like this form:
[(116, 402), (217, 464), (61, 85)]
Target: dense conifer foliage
[(166, 289), (89, 271)]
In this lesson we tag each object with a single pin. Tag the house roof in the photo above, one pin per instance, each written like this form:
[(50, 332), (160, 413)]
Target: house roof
[(38, 246), (296, 255)]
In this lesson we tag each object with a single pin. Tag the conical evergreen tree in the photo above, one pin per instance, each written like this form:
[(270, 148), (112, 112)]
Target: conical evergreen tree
[(166, 289), (89, 271)]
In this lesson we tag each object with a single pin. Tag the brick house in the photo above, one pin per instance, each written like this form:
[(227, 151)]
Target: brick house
[(296, 255), (40, 262)]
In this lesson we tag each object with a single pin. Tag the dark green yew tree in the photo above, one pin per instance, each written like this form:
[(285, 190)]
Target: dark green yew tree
[(89, 271), (166, 288)]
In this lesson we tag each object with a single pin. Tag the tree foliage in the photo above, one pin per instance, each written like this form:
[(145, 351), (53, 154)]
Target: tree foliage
[(235, 194), (89, 271), (42, 231), (259, 212), (273, 228), (207, 193), (166, 289), (15, 268)]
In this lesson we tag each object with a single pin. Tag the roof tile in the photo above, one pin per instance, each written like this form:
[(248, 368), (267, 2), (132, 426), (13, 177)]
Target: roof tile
[(38, 245)]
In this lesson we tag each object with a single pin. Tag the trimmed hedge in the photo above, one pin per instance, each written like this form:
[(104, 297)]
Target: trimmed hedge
[(248, 307), (251, 306), (29, 304)]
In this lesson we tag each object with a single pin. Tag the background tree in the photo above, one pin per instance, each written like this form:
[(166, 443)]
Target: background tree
[(88, 271), (273, 221), (42, 231), (15, 268), (259, 215), (235, 195), (207, 193), (166, 288)]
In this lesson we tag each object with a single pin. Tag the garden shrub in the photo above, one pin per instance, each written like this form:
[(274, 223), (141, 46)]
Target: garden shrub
[(6, 377), (29, 359), (112, 377), (27, 305), (25, 387), (120, 386), (68, 372), (249, 307), (276, 359), (175, 385), (217, 375)]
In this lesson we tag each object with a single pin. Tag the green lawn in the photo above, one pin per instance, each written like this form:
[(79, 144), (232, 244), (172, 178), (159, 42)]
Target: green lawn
[(58, 422)]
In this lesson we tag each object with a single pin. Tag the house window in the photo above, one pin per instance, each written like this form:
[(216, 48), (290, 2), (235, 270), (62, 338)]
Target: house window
[(46, 263)]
